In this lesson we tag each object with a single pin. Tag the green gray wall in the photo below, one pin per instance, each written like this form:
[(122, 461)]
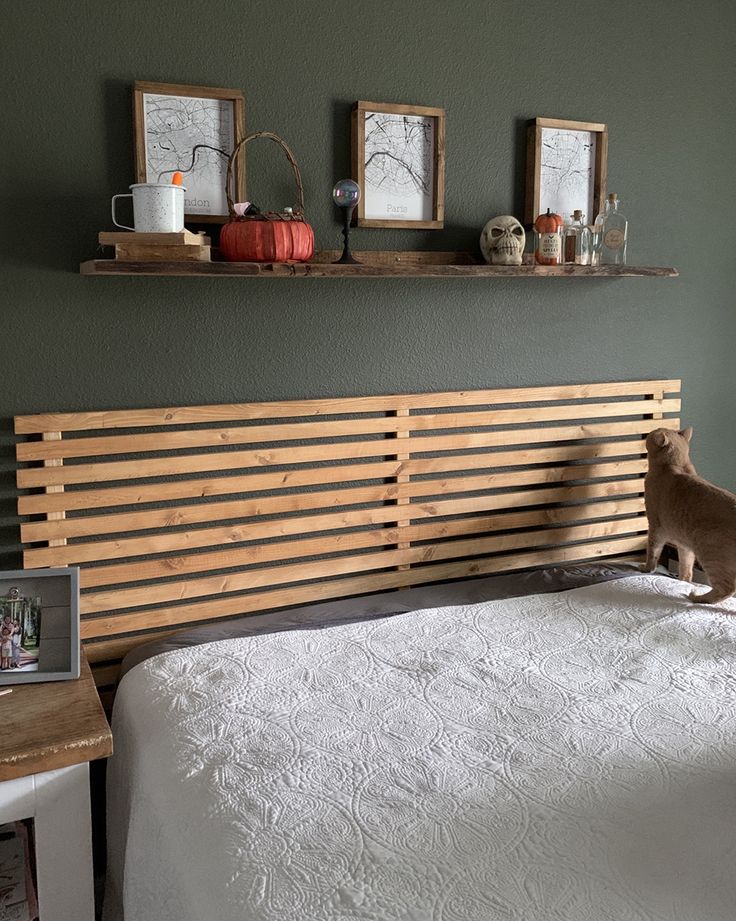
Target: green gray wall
[(661, 74)]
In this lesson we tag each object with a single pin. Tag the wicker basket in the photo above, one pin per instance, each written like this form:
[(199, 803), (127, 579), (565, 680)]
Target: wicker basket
[(271, 236)]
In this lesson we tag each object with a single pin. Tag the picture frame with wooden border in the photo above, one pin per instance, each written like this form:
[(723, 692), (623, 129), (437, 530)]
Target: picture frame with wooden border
[(41, 608), (580, 145), (204, 169), (413, 195)]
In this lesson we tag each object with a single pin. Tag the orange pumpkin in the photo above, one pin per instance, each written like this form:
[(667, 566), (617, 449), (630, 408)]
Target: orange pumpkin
[(275, 236), (549, 238), (267, 240)]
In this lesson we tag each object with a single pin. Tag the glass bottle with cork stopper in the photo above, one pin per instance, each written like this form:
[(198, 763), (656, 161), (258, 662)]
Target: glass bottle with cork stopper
[(611, 234), (578, 240)]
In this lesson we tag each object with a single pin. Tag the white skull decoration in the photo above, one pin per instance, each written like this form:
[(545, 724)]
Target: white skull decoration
[(502, 241)]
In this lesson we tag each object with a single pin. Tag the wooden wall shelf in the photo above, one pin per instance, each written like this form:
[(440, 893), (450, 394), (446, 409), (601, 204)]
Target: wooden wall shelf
[(373, 265)]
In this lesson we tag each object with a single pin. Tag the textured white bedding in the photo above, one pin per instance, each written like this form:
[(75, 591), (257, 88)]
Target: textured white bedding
[(566, 757)]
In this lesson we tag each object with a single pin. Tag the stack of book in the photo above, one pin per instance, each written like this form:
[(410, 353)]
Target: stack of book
[(157, 247)]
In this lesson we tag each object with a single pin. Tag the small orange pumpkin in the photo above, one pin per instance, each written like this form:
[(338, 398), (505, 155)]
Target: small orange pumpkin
[(549, 238), (274, 236), (266, 238)]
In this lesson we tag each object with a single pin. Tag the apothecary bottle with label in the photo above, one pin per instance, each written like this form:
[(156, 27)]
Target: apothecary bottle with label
[(611, 233), (578, 240), (548, 249)]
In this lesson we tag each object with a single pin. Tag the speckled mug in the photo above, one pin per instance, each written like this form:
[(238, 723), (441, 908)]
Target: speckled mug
[(157, 208)]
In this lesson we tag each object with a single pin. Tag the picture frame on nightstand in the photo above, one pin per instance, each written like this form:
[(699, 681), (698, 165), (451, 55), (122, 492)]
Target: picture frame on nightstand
[(39, 625)]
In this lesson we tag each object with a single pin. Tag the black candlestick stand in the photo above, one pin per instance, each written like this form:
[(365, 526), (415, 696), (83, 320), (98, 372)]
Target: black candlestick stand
[(347, 257)]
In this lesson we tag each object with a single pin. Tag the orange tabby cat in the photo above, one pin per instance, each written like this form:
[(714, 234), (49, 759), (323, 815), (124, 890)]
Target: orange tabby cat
[(690, 513)]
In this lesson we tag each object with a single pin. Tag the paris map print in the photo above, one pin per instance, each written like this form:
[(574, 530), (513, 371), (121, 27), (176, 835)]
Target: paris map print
[(174, 125), (567, 171), (399, 159)]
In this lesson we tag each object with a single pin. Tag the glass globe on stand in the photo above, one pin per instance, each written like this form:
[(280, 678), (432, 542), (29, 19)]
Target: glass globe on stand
[(346, 195)]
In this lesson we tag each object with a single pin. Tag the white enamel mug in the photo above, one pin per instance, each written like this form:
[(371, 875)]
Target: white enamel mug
[(157, 208)]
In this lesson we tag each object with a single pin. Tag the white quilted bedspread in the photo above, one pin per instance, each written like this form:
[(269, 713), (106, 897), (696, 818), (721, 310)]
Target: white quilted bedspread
[(565, 757)]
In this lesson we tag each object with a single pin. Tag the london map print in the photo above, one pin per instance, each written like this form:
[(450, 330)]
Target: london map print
[(175, 125), (399, 158), (567, 171)]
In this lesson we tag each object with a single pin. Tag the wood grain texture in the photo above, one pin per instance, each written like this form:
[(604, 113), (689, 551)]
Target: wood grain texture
[(304, 431), (347, 405), (185, 514), (52, 725), (324, 451), (102, 267)]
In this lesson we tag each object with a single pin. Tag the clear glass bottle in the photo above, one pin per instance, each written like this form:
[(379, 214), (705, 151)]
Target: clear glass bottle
[(578, 244), (610, 234)]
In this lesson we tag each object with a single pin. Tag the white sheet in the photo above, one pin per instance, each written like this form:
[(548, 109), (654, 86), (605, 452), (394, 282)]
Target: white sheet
[(567, 757)]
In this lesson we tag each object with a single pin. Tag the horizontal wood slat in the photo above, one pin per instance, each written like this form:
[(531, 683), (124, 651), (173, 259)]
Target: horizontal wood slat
[(280, 527), (236, 412), (189, 514), (142, 493), (106, 650), (302, 431), (296, 502), (143, 570), (96, 602), (229, 606), (231, 460)]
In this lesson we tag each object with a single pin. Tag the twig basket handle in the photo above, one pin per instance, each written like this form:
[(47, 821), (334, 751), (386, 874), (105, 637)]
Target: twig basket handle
[(289, 155)]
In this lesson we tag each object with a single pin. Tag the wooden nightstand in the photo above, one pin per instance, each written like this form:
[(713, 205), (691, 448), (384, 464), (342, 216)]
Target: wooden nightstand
[(48, 735)]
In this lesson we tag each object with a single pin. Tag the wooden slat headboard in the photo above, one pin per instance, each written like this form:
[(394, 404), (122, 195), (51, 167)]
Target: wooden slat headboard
[(177, 516)]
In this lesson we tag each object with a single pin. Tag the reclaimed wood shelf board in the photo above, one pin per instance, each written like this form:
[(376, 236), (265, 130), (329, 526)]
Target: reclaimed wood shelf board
[(372, 265)]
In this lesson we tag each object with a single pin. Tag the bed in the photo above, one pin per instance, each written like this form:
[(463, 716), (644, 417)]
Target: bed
[(565, 756), (379, 738)]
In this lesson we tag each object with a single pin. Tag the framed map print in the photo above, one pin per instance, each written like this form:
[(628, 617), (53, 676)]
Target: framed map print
[(399, 164), (191, 130), (566, 168)]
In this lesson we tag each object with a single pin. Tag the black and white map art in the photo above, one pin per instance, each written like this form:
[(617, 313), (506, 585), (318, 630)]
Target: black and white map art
[(174, 125), (567, 172), (399, 167)]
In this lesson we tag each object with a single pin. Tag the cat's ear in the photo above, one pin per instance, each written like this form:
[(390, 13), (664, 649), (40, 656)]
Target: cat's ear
[(687, 433), (659, 438)]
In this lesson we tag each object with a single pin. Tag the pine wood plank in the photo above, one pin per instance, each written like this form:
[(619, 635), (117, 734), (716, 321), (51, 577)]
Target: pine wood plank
[(107, 650), (125, 522), (173, 542), (231, 412), (433, 486), (323, 476), (212, 609), (269, 456), (140, 596), (142, 570), (399, 425)]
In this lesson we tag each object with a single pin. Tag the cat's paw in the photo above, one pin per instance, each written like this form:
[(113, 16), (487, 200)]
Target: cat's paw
[(696, 597)]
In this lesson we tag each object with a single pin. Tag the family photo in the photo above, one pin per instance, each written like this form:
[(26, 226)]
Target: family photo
[(20, 631)]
